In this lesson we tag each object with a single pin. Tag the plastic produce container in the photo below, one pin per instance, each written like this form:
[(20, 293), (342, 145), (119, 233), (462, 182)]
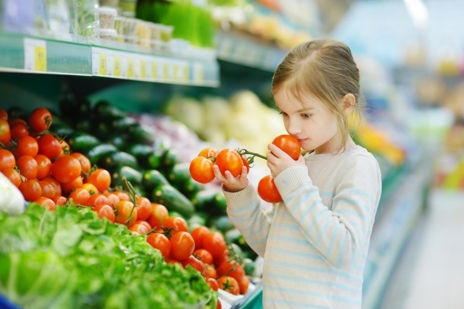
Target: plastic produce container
[(107, 16), (108, 34)]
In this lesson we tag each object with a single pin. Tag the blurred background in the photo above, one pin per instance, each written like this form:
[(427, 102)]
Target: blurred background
[(199, 73)]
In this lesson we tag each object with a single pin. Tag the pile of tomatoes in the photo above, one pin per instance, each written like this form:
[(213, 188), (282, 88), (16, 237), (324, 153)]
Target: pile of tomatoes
[(233, 160)]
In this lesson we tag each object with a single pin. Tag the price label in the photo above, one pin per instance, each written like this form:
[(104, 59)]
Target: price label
[(143, 69), (102, 64), (199, 73), (117, 66), (35, 55), (154, 70), (130, 68), (175, 72), (185, 73)]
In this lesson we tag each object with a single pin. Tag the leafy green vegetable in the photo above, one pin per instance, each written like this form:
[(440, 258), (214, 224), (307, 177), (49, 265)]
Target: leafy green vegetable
[(70, 258)]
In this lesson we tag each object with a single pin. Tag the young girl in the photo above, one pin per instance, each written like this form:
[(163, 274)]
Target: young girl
[(315, 242)]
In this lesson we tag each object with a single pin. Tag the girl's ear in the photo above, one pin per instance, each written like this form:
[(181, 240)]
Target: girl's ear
[(348, 101)]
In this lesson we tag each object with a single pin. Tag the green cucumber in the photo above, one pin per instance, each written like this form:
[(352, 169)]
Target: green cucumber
[(179, 174), (103, 131), (174, 200), (141, 152), (154, 159), (141, 134), (84, 125), (122, 125), (128, 173), (152, 178), (96, 152), (222, 223), (105, 110), (169, 158), (211, 201), (191, 187), (116, 158), (117, 140), (81, 141)]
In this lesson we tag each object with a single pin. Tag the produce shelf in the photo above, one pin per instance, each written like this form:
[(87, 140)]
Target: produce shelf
[(240, 49), (22, 53)]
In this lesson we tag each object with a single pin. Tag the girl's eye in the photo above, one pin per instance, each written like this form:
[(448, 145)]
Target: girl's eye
[(305, 115)]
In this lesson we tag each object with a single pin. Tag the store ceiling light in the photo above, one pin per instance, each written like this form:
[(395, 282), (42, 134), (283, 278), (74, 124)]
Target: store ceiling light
[(418, 12)]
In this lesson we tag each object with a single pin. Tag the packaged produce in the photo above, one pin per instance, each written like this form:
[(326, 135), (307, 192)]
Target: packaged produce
[(84, 18), (59, 21), (23, 16), (128, 7), (108, 34), (110, 3), (106, 17), (143, 33)]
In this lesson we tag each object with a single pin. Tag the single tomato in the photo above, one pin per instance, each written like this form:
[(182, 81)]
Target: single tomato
[(144, 208), (66, 169), (13, 175), (229, 284), (267, 190), (27, 166), (26, 146), (68, 187), (208, 152), (215, 243), (231, 268), (158, 215), (56, 184), (40, 119), (105, 211), (97, 199), (59, 200), (83, 160), (182, 245), (176, 224), (203, 255), (48, 189), (212, 282), (198, 234), (195, 263), (201, 170), (3, 114), (19, 130), (289, 145), (229, 160), (7, 159), (49, 146), (79, 196), (161, 242), (30, 189), (210, 271), (126, 213), (46, 202), (5, 132), (244, 284), (44, 166)]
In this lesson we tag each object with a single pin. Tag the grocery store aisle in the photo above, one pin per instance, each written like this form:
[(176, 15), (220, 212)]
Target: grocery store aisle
[(430, 273)]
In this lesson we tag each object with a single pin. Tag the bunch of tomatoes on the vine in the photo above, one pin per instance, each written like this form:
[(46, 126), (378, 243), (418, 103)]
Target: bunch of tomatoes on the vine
[(233, 160)]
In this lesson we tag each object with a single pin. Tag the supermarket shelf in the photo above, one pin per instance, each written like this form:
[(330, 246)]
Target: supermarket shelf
[(21, 53), (240, 49)]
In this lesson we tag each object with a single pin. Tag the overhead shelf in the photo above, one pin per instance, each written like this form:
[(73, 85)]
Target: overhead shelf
[(241, 49), (21, 53)]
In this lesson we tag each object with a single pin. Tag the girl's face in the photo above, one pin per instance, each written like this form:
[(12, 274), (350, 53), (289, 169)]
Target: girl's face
[(308, 120)]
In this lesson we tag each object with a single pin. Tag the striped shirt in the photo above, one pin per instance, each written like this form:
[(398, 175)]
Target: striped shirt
[(315, 242)]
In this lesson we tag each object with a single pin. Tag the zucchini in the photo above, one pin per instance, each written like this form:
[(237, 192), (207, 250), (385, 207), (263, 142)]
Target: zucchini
[(179, 174), (102, 130), (141, 134), (154, 159), (117, 140), (174, 200), (111, 160), (81, 141), (122, 125), (190, 187), (84, 125), (211, 201), (140, 152), (169, 158), (96, 152), (152, 178), (105, 110), (125, 172)]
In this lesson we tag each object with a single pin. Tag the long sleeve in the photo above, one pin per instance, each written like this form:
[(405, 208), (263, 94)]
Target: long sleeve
[(339, 231), (244, 210)]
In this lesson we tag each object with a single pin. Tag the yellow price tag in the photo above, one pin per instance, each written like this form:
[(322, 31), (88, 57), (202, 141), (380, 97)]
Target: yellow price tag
[(199, 74), (165, 71), (130, 68), (154, 69), (143, 69), (40, 58), (117, 66), (102, 64), (185, 73), (175, 71)]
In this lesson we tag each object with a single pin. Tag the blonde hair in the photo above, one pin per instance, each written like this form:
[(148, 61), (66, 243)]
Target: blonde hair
[(326, 69)]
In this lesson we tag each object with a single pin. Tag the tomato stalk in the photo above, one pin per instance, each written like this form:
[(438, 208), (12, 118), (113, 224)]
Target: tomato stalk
[(133, 197), (250, 156)]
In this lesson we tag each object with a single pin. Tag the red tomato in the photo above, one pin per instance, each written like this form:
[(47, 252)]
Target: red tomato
[(144, 208), (208, 153), (68, 187), (59, 200), (30, 189), (97, 199), (79, 196), (113, 199), (245, 163), (14, 121), (13, 175), (201, 170), (48, 189), (19, 130), (5, 132), (3, 114), (105, 211), (49, 146), (289, 144), (198, 234), (182, 245), (267, 190), (47, 202), (40, 119), (161, 242), (215, 243), (229, 284), (212, 282), (139, 229), (203, 255), (27, 166), (218, 304), (217, 260), (56, 184), (66, 169), (44, 166), (244, 284), (90, 187), (142, 222), (176, 223), (195, 263), (83, 160), (210, 271), (126, 213), (65, 149), (158, 215), (229, 160), (7, 159), (101, 179), (27, 146), (232, 269), (123, 196)]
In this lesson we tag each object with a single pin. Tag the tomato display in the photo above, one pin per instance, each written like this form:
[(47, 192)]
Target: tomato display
[(289, 145), (267, 190), (229, 160)]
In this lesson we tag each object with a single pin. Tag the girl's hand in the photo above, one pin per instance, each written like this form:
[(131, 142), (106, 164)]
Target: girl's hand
[(231, 183), (278, 160)]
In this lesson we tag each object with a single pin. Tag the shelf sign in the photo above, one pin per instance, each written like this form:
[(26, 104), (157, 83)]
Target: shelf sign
[(117, 66), (103, 64), (130, 68), (35, 55), (198, 73)]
